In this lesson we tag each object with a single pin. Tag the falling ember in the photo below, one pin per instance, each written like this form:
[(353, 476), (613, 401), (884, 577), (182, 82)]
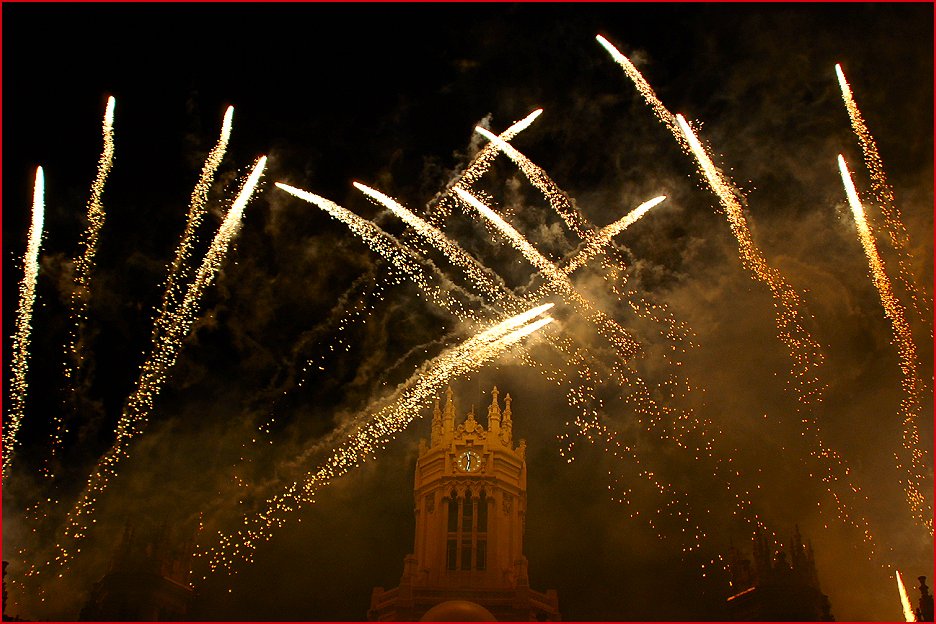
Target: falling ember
[(174, 325), (908, 614), (912, 385), (375, 435), (884, 194), (179, 269), (27, 298)]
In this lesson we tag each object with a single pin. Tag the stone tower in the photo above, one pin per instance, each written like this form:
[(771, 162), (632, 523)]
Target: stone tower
[(470, 499)]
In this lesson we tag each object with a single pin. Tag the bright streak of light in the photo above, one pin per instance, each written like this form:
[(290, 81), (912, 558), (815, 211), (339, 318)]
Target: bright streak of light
[(173, 327), (884, 194), (908, 614), (179, 269), (662, 113), (600, 239), (84, 265), (364, 444), (557, 198), (481, 277), (910, 406), (27, 297), (402, 258)]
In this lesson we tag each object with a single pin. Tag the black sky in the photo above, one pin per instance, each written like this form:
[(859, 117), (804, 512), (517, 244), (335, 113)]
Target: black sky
[(388, 94)]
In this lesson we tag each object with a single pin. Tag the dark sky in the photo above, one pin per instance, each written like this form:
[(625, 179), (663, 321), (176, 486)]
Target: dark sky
[(389, 95)]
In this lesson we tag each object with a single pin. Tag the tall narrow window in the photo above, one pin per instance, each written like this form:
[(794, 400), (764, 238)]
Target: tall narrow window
[(467, 512), (453, 512), (451, 554), (466, 553), (481, 561), (482, 513)]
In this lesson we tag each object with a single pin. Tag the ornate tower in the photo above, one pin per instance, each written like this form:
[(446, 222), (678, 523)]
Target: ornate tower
[(470, 496)]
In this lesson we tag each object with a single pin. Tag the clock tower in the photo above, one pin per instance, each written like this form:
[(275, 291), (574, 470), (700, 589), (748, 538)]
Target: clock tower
[(470, 503)]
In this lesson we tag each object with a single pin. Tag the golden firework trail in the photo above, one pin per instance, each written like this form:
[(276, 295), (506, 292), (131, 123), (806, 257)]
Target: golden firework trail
[(662, 113), (908, 613), (911, 383), (481, 277), (21, 339), (478, 166), (884, 194), (599, 240), (557, 198), (618, 336), (804, 352), (174, 325), (84, 264), (404, 259), (179, 270), (366, 442)]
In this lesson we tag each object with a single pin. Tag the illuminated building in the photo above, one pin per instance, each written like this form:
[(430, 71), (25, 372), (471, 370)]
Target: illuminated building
[(470, 502)]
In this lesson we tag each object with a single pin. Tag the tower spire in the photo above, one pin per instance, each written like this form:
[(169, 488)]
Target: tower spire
[(436, 424), (448, 419), (506, 422), (494, 415)]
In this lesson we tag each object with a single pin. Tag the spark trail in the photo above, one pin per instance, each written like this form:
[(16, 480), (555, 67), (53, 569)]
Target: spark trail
[(908, 614), (84, 265), (804, 352), (884, 194), (174, 325), (179, 270), (21, 339), (482, 278), (364, 443), (911, 383), (557, 198)]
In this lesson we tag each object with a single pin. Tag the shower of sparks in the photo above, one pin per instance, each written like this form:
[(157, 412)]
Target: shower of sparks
[(623, 341), (908, 614), (557, 198), (180, 270), (174, 325), (910, 406), (804, 352), (482, 278), (884, 194), (84, 265), (27, 298), (597, 242), (366, 442)]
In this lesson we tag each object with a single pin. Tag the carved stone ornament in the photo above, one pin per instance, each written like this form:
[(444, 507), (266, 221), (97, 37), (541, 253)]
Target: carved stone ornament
[(508, 504), (430, 503)]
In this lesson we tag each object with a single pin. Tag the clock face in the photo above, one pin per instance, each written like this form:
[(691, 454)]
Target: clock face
[(468, 461)]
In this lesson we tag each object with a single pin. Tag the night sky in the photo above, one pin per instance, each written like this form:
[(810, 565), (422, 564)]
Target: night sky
[(389, 95)]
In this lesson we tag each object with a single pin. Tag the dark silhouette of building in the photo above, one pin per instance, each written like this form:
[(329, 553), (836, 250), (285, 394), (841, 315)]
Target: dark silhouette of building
[(467, 560), (777, 588), (13, 618), (148, 580), (924, 612)]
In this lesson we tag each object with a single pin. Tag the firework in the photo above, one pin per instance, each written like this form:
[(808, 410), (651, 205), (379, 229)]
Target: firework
[(908, 614), (84, 265), (27, 298), (884, 195), (910, 406), (598, 241), (179, 269), (173, 327), (375, 435)]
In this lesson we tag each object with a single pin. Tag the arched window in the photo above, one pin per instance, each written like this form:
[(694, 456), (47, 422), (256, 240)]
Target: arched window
[(451, 546), (481, 550), (467, 518)]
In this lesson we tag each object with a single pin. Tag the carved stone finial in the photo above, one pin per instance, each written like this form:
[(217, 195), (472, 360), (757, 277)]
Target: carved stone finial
[(494, 413)]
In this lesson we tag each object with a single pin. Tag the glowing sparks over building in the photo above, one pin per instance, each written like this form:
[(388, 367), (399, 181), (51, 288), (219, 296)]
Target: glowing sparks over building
[(908, 613), (375, 435), (884, 194), (174, 326), (179, 270), (20, 348), (911, 383)]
